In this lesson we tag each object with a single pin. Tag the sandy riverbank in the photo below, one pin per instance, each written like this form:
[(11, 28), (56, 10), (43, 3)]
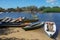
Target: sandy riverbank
[(18, 33)]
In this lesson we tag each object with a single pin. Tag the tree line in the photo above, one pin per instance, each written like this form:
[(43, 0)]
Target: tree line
[(31, 8)]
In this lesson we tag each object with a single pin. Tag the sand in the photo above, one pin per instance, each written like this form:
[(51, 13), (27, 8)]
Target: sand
[(17, 33)]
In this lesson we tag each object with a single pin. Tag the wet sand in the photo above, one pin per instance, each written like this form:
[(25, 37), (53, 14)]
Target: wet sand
[(17, 33)]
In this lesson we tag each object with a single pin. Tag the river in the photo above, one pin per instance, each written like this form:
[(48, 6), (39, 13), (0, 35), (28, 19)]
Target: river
[(55, 17)]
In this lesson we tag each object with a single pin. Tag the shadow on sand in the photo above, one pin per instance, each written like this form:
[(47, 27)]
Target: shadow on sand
[(3, 31), (6, 31), (12, 38)]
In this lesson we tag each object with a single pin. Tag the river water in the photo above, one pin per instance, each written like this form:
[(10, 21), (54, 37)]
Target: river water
[(55, 17)]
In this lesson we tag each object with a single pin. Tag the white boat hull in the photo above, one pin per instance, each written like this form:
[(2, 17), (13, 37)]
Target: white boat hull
[(50, 33)]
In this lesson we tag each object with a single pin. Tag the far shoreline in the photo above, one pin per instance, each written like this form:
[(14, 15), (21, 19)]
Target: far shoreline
[(29, 12)]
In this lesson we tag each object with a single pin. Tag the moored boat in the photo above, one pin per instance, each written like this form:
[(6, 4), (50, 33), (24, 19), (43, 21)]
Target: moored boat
[(4, 19), (9, 20), (50, 28), (34, 26), (13, 20), (33, 19)]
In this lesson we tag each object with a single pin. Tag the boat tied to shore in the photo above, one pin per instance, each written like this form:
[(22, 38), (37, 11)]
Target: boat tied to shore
[(7, 21), (50, 28), (34, 26)]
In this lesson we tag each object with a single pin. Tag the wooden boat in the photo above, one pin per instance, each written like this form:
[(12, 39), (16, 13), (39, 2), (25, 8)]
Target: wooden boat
[(13, 20), (17, 20), (50, 28), (30, 20), (10, 19), (4, 19), (33, 19), (34, 26), (13, 24)]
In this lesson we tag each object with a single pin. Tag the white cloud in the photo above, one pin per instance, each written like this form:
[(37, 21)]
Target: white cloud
[(51, 1)]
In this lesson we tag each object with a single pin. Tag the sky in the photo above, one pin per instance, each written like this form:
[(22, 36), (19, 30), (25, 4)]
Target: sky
[(24, 3)]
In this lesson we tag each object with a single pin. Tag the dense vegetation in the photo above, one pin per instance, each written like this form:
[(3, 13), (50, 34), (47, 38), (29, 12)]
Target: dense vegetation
[(54, 9), (31, 8)]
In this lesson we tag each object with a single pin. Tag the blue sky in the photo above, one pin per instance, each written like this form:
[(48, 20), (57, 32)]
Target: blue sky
[(22, 3)]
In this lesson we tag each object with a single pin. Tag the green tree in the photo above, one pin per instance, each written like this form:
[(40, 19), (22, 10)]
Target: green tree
[(55, 7), (10, 10), (42, 8), (18, 9), (29, 8), (2, 9)]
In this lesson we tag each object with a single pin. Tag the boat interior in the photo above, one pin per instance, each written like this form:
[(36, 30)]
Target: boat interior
[(50, 27)]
